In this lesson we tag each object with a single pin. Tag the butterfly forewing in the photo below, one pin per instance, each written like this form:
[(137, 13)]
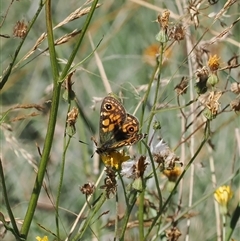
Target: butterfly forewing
[(112, 117)]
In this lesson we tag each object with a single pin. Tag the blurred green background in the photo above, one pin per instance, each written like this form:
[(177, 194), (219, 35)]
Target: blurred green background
[(127, 30)]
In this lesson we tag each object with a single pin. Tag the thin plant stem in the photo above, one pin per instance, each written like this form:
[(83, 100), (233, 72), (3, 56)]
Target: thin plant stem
[(145, 99), (224, 227), (214, 184), (144, 103), (182, 159), (157, 87), (189, 47), (123, 186), (233, 222), (15, 230), (141, 213), (141, 204), (155, 175), (50, 129), (53, 113), (116, 218), (132, 197), (66, 145)]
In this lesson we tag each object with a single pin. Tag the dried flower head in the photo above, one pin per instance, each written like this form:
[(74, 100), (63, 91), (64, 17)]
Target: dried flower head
[(181, 88), (210, 100), (235, 105), (114, 159), (233, 62), (193, 11), (201, 85), (213, 63), (88, 189), (20, 29), (173, 234), (72, 116), (235, 88), (134, 169), (202, 74), (110, 182), (164, 19), (164, 156), (177, 32), (222, 195)]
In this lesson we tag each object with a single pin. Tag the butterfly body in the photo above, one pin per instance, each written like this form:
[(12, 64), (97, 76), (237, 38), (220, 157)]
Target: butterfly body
[(117, 128)]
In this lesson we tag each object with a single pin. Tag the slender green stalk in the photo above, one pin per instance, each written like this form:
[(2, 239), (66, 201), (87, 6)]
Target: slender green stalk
[(155, 175), (233, 222), (123, 186), (141, 203), (141, 213), (5, 196), (116, 218), (53, 113), (144, 104), (159, 69), (66, 145), (50, 38), (157, 87), (131, 202), (224, 227), (125, 195), (50, 130)]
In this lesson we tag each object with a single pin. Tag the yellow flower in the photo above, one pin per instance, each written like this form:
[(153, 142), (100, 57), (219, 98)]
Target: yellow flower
[(173, 174), (45, 238), (114, 159), (222, 195), (213, 63)]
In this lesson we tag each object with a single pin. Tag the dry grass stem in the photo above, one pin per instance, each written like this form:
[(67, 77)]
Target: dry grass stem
[(73, 16)]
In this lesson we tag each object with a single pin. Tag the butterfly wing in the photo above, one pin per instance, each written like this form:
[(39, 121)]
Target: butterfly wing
[(112, 117), (128, 133), (116, 128)]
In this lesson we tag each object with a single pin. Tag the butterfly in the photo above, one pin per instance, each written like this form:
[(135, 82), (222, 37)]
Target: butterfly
[(117, 128)]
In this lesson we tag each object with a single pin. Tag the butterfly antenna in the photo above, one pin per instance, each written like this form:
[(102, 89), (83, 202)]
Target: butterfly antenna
[(83, 142), (93, 154)]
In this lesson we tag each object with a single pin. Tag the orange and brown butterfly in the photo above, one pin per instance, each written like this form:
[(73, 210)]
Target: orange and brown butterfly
[(117, 128)]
